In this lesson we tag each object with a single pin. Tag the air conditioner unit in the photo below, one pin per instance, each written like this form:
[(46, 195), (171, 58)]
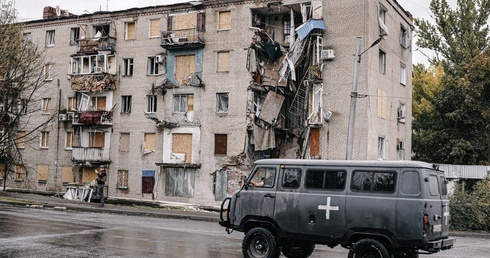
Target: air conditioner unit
[(62, 117), (160, 59), (327, 54), (69, 116)]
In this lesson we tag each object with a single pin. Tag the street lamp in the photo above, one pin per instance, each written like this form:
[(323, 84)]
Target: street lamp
[(354, 95)]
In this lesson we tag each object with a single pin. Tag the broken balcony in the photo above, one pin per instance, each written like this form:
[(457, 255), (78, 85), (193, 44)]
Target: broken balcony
[(93, 82), (99, 117), (179, 39), (90, 154), (94, 45)]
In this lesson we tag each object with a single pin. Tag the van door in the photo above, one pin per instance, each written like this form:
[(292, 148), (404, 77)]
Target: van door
[(258, 198), (445, 205), (435, 207), (288, 199)]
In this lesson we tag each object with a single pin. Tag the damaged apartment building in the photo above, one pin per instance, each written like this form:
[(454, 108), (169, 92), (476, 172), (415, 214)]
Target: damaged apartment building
[(177, 101)]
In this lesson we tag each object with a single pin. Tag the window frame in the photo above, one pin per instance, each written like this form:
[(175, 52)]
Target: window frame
[(221, 26), (223, 61), (153, 66), (220, 144), (74, 36), (150, 27), (122, 179), (128, 67), (50, 38), (48, 72), (126, 102), (382, 61), (372, 186), (151, 103), (44, 140), (381, 147), (68, 140), (178, 104), (222, 98), (403, 37), (46, 106), (127, 32), (403, 74)]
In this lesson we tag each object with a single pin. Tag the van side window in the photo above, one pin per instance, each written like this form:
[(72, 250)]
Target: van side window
[(264, 177), (292, 178), (410, 182), (325, 179), (367, 181), (433, 185)]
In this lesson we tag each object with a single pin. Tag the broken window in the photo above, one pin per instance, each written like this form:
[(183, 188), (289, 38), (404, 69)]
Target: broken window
[(151, 103), (220, 144), (122, 179), (152, 65), (84, 102), (128, 67), (222, 100), (50, 38), (46, 105), (286, 31), (382, 103), (96, 139), (124, 142), (19, 173), (42, 173), (182, 147), (68, 140), (44, 141), (150, 141), (183, 103), (101, 30), (147, 181), (185, 66), (154, 28), (130, 30), (74, 36), (224, 20), (126, 104), (223, 61)]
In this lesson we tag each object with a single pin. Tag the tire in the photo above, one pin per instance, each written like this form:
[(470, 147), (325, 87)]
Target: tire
[(260, 243), (368, 248), (297, 249)]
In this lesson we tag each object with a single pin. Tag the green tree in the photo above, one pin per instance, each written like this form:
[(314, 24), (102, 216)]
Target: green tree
[(426, 84), (452, 128)]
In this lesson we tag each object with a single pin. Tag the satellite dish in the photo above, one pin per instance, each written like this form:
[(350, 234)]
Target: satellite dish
[(58, 11)]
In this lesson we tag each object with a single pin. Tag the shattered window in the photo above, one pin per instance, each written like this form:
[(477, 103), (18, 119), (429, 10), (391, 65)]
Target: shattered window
[(130, 32), (222, 102), (220, 144), (50, 38), (151, 103), (224, 20), (223, 61), (74, 36), (292, 178), (183, 103), (126, 104)]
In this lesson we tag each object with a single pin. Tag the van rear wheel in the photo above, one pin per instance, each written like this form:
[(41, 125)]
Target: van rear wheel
[(260, 243), (368, 248), (297, 249)]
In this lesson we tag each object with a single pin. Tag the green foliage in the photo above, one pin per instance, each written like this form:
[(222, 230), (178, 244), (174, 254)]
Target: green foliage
[(470, 211)]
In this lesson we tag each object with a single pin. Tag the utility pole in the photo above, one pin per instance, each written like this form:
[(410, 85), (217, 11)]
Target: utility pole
[(353, 101)]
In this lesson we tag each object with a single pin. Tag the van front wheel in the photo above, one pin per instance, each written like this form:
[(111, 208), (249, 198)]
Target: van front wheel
[(368, 248), (297, 249), (260, 243)]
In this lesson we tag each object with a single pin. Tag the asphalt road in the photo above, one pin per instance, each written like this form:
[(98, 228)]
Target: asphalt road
[(28, 232)]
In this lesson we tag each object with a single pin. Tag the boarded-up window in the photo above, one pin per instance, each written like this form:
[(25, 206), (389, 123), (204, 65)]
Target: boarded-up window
[(147, 181), (19, 173), (154, 28), (99, 103), (130, 30), (150, 141), (96, 139), (315, 142), (122, 179), (67, 175), (224, 61), (124, 142), (68, 140), (184, 25), (179, 182), (182, 143), (21, 140), (184, 67), (224, 20), (88, 174), (220, 143), (382, 103), (42, 172)]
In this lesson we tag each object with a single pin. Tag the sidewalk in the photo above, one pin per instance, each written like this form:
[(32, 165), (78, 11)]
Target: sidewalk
[(169, 210)]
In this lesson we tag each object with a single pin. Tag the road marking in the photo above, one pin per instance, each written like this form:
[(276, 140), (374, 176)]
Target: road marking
[(328, 208)]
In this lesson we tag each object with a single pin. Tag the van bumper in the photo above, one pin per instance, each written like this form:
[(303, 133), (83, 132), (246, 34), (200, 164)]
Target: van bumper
[(442, 244)]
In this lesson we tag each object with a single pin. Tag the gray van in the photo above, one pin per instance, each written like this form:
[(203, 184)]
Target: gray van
[(373, 208)]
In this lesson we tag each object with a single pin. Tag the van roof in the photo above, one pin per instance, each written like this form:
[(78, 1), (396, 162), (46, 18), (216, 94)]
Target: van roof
[(357, 163)]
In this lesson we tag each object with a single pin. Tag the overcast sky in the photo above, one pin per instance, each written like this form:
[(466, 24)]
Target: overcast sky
[(33, 9)]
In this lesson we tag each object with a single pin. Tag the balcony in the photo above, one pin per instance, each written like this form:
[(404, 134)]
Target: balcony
[(181, 39), (93, 82), (90, 154), (94, 45), (93, 118)]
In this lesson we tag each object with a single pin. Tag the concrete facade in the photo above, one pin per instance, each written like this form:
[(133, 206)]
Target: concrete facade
[(185, 165)]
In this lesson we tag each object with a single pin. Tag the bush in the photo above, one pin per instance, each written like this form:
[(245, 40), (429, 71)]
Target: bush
[(471, 210)]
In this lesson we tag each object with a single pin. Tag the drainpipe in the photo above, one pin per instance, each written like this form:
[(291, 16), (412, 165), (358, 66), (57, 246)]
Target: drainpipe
[(57, 139)]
